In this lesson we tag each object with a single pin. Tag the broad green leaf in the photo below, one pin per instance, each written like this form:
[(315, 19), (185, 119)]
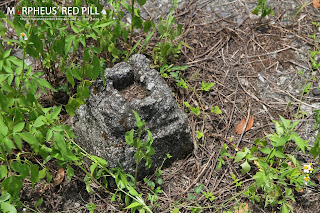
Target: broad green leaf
[(137, 22), (279, 154), (245, 167), (46, 84), (284, 208), (70, 77), (300, 142), (146, 25), (133, 205), (132, 191), (23, 169), (281, 141), (34, 177), (3, 171), (3, 77), (17, 140), (56, 112), (96, 67), (3, 128), (60, 141), (18, 127), (265, 150), (101, 161), (39, 121), (241, 155), (4, 197), (141, 2), (285, 122), (8, 208), (29, 138), (9, 145)]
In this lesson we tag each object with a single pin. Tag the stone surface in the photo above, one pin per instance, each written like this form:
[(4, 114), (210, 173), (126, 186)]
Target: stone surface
[(100, 125)]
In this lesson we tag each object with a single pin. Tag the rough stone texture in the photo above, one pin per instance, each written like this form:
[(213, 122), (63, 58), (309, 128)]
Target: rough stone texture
[(100, 125)]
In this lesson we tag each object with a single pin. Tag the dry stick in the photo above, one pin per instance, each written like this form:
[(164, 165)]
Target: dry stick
[(201, 173), (234, 103), (245, 126)]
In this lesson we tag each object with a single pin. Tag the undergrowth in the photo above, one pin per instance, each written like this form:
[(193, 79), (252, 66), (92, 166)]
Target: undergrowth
[(77, 51)]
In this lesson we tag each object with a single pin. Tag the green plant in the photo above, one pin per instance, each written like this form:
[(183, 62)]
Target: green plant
[(206, 86), (144, 148), (223, 154), (262, 9), (279, 171)]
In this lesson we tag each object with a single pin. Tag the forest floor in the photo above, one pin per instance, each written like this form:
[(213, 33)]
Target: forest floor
[(260, 68)]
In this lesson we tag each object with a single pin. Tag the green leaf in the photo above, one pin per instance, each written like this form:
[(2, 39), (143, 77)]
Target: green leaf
[(199, 134), (34, 177), (23, 169), (3, 171), (206, 86), (70, 172), (70, 77), (279, 154), (29, 138), (195, 110), (282, 141), (4, 197), (103, 25), (141, 2), (175, 211), (17, 140), (56, 112), (198, 189), (18, 127), (300, 142), (60, 141), (245, 167), (146, 25), (265, 150), (101, 161), (284, 208), (241, 155), (3, 128), (285, 122), (39, 121), (134, 205), (9, 145), (216, 110), (8, 208), (137, 22), (39, 202), (96, 67), (45, 83)]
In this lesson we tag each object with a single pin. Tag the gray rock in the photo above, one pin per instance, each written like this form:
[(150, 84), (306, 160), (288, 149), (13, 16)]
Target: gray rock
[(100, 125)]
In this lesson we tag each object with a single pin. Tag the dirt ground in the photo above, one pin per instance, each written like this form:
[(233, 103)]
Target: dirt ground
[(255, 64)]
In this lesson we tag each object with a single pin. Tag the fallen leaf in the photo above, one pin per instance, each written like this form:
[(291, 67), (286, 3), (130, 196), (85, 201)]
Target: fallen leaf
[(242, 124), (59, 177), (244, 208), (316, 3)]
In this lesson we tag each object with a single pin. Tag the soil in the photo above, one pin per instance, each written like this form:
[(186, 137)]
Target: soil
[(260, 67)]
